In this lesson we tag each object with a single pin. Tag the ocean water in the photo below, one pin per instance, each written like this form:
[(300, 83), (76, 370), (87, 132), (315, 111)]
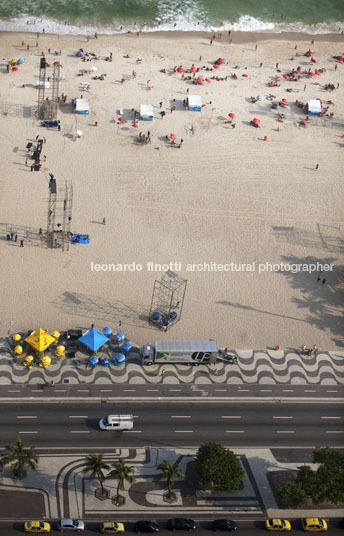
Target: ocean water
[(112, 16)]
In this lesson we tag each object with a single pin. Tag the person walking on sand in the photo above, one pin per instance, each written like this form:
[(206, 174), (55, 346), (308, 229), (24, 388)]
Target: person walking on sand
[(22, 243), (317, 167), (160, 104), (211, 41), (104, 221)]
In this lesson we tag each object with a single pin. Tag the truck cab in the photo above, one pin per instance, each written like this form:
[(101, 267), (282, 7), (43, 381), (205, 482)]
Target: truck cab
[(147, 354)]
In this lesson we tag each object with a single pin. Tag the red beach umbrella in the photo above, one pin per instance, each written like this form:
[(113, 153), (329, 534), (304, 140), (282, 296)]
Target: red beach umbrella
[(309, 53), (231, 115), (286, 77), (245, 75), (121, 119), (311, 74), (199, 80), (193, 69), (180, 69), (136, 126), (255, 121), (318, 73), (340, 58), (314, 60), (207, 80), (173, 137), (285, 101), (216, 66), (220, 60), (304, 123)]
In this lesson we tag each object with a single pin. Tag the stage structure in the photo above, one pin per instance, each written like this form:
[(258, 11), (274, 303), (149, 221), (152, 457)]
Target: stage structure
[(59, 219), (167, 300), (48, 90)]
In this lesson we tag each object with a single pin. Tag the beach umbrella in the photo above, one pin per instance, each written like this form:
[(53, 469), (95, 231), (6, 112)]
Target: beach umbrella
[(314, 60), (46, 361), (18, 350), (107, 330), (135, 125), (303, 123), (55, 334), (295, 72), (173, 136), (105, 362), (93, 339), (16, 337), (93, 361), (318, 73), (286, 77), (127, 347), (14, 68), (245, 75), (40, 340), (180, 69), (13, 62), (121, 119), (309, 52), (311, 74), (79, 133), (220, 60), (199, 80), (120, 337), (60, 351), (255, 121), (340, 58), (93, 68), (216, 66), (20, 61), (193, 69), (285, 101), (29, 359), (207, 80), (118, 359), (231, 115)]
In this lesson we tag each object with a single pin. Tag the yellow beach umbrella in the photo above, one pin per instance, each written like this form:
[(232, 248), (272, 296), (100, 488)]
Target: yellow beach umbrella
[(18, 350), (56, 334), (60, 351), (16, 337), (46, 361), (13, 61), (28, 359), (39, 340)]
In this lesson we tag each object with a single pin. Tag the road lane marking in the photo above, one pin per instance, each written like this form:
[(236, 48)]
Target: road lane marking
[(183, 431), (230, 416), (78, 416), (265, 390), (27, 417), (335, 431), (80, 432), (310, 391), (152, 390), (235, 431), (106, 390), (330, 417), (285, 432), (129, 390), (36, 391), (133, 431), (220, 390), (180, 416), (14, 391), (244, 390), (175, 390), (28, 432), (83, 390), (287, 390), (281, 417), (331, 391)]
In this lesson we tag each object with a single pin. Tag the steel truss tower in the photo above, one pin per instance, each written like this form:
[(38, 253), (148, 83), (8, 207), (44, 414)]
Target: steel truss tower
[(167, 300), (59, 218), (48, 90)]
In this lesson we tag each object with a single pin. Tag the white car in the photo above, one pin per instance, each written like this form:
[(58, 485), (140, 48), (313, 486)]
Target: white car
[(70, 525)]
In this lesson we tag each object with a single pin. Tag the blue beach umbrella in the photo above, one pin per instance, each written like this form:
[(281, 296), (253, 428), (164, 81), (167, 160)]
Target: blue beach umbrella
[(127, 347), (120, 337), (105, 362), (93, 339), (20, 61), (107, 330), (93, 361)]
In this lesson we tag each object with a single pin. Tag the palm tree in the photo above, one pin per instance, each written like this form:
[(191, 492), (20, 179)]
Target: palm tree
[(94, 464), (122, 473), (20, 458), (170, 472)]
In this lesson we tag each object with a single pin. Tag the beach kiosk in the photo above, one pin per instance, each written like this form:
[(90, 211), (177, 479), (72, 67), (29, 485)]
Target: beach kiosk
[(82, 106), (194, 103), (146, 112), (314, 106)]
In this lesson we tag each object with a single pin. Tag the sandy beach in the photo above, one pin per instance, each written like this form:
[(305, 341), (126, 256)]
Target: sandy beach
[(226, 196)]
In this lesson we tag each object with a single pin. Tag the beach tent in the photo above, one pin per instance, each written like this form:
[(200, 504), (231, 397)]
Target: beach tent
[(314, 106), (82, 106), (194, 103), (40, 340), (146, 112), (93, 339), (43, 83)]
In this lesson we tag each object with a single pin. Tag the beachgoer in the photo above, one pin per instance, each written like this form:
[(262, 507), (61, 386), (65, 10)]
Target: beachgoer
[(211, 41), (104, 221), (256, 47), (316, 167), (40, 232), (22, 243), (323, 281)]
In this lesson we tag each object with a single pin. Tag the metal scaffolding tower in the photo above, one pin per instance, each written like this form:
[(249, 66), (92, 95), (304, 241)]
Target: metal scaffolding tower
[(167, 300), (59, 219), (48, 90)]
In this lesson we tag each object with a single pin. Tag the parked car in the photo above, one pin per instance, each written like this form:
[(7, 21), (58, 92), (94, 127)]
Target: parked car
[(180, 523), (111, 527), (314, 524), (224, 524), (70, 525), (277, 524), (37, 526), (146, 526)]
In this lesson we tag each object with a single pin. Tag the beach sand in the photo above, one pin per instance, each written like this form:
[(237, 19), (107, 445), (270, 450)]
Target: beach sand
[(225, 196)]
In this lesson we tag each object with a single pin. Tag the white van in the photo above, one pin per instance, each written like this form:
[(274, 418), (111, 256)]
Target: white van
[(117, 422)]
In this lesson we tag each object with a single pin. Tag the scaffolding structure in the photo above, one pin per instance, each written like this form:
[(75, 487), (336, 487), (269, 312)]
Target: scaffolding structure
[(59, 218), (167, 300), (48, 90)]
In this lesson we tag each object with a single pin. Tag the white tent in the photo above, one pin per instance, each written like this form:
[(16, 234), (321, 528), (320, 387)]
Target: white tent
[(194, 102), (314, 106), (43, 83), (82, 106), (146, 112)]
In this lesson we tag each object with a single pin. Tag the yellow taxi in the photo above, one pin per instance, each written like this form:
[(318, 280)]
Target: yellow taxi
[(36, 527), (111, 527), (277, 524), (314, 524)]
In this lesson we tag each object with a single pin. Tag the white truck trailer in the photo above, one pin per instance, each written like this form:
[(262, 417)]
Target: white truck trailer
[(180, 352)]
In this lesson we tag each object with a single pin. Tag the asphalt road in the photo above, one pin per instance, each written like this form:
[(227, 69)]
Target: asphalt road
[(167, 424), (245, 528)]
